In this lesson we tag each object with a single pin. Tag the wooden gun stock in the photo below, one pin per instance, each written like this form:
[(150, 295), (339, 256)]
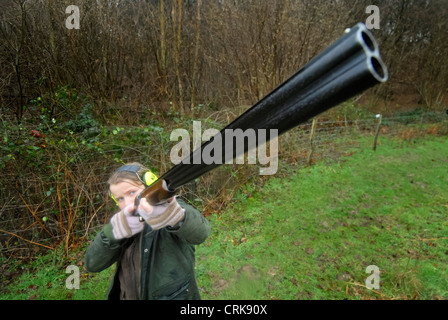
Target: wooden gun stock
[(156, 194)]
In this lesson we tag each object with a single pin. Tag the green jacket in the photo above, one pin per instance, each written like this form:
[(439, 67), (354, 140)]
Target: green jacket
[(167, 257)]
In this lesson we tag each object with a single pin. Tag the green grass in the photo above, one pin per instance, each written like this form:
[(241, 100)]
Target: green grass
[(312, 235), (45, 278)]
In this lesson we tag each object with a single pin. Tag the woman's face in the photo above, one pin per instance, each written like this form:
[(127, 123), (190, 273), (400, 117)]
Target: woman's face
[(125, 192)]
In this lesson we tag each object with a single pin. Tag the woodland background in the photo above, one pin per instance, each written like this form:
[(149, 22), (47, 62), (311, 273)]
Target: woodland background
[(76, 103), (136, 56)]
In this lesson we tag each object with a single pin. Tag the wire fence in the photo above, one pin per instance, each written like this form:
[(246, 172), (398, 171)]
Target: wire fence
[(70, 201)]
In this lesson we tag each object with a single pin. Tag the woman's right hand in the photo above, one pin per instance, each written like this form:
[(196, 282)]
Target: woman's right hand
[(125, 224)]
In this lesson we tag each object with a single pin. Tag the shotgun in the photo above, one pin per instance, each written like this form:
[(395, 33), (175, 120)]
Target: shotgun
[(346, 68)]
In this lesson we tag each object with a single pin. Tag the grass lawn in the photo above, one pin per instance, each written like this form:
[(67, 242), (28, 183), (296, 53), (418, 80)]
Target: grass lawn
[(312, 235)]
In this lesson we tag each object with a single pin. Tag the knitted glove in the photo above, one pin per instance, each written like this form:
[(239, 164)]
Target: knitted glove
[(158, 217), (125, 224)]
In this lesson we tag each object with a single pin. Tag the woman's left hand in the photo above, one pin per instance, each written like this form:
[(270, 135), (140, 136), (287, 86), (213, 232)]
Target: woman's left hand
[(161, 216)]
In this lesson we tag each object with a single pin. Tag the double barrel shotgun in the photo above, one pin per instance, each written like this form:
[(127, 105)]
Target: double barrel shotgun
[(346, 68)]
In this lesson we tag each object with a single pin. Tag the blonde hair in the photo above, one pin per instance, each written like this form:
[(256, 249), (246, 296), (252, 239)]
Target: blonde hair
[(128, 176)]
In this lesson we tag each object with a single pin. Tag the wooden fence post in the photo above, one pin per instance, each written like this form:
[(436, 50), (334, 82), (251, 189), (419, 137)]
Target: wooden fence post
[(313, 130), (380, 117)]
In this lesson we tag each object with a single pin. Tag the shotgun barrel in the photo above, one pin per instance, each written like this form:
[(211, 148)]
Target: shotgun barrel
[(346, 68)]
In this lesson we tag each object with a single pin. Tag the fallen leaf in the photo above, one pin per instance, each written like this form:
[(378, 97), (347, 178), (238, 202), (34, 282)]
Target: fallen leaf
[(309, 250), (273, 271)]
